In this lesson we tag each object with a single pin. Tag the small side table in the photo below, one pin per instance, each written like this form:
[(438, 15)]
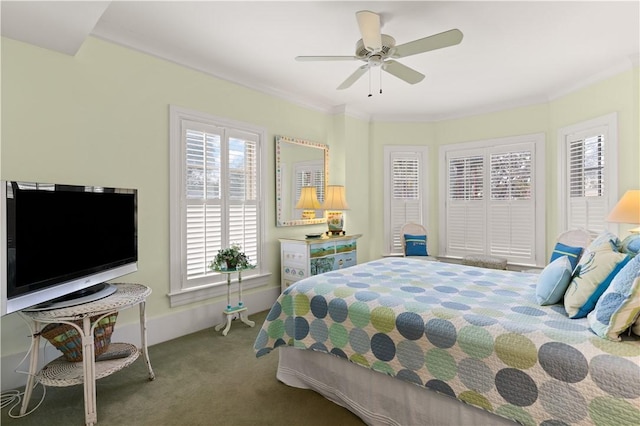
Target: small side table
[(240, 308), (60, 372)]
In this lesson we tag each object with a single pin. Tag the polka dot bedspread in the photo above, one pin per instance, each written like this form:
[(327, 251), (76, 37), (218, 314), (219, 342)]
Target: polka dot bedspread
[(474, 334)]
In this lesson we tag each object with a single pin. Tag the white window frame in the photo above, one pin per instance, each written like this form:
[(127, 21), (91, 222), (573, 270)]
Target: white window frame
[(422, 153), (608, 126), (181, 291), (487, 147)]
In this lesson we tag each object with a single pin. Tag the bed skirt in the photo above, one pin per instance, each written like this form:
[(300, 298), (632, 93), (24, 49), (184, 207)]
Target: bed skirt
[(376, 398)]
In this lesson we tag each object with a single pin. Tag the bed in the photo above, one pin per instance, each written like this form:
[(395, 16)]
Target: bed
[(403, 341)]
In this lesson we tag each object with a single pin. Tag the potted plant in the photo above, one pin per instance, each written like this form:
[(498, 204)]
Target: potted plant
[(230, 259)]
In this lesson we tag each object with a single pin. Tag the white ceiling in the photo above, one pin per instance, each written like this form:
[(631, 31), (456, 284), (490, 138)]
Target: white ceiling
[(513, 53)]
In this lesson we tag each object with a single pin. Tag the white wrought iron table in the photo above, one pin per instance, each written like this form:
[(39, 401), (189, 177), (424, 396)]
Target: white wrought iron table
[(239, 309)]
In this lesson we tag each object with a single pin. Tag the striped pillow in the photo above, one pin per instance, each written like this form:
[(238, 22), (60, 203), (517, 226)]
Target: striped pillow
[(573, 253), (415, 245)]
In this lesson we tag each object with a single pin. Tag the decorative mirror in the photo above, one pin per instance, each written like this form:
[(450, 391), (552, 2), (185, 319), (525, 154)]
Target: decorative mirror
[(301, 172)]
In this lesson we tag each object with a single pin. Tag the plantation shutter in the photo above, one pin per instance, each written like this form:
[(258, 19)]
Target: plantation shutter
[(203, 146), (221, 191), (587, 201), (406, 193), (243, 193), (511, 203), (491, 205), (465, 217)]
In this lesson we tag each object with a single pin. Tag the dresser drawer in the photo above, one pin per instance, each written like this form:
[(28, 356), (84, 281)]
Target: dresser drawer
[(302, 258), (293, 272)]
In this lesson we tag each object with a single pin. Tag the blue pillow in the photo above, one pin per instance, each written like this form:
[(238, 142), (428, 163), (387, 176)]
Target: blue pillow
[(619, 305), (631, 245), (553, 281), (573, 253), (415, 245)]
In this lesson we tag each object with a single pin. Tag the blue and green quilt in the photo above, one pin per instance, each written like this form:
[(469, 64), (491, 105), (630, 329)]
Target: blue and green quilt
[(474, 334)]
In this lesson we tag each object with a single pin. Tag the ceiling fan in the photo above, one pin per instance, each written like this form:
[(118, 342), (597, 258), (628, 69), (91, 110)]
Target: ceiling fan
[(380, 50)]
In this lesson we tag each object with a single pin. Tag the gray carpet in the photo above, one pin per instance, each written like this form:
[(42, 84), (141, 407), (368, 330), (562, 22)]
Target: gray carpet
[(201, 379)]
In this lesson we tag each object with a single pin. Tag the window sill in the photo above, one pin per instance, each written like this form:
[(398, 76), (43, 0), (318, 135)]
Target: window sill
[(392, 255), (200, 293)]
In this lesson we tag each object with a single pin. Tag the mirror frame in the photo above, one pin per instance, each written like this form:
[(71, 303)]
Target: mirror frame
[(280, 140)]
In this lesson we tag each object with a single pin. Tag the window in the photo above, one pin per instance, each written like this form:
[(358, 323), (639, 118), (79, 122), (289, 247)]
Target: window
[(493, 199), (215, 199), (405, 192), (587, 164)]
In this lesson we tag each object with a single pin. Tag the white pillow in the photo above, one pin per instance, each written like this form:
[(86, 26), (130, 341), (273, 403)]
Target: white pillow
[(591, 278)]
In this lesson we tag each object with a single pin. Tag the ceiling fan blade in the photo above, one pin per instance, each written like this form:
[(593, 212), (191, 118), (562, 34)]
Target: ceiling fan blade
[(369, 23), (326, 58), (436, 41), (403, 72), (353, 77)]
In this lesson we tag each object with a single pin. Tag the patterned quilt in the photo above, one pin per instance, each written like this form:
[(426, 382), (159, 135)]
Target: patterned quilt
[(475, 334)]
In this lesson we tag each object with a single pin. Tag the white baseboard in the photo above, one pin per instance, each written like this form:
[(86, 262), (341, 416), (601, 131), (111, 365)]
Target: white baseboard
[(159, 329)]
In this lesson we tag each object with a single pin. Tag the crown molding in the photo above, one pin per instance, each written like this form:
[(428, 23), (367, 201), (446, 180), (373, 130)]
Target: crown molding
[(350, 112), (612, 70)]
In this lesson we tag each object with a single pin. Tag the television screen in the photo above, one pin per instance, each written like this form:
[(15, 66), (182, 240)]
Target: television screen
[(64, 238)]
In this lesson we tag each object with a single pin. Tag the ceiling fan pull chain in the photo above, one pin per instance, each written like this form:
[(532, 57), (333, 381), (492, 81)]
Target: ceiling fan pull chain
[(381, 80), (369, 83)]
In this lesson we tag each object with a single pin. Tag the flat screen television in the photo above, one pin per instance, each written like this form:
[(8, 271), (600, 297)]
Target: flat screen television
[(60, 244)]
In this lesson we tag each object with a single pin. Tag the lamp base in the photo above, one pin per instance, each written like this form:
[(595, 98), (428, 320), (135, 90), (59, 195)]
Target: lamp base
[(335, 221), (336, 233), (308, 214)]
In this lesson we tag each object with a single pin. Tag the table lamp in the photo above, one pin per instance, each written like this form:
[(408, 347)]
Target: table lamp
[(627, 210), (308, 202), (335, 203)]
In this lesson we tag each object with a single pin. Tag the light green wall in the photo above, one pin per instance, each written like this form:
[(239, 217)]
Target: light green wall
[(399, 134), (101, 118), (350, 167), (616, 94)]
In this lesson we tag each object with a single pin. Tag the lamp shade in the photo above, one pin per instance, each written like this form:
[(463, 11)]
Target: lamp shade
[(308, 199), (334, 198), (628, 208)]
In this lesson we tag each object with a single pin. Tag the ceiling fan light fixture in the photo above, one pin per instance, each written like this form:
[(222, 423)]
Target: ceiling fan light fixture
[(388, 43), (375, 61)]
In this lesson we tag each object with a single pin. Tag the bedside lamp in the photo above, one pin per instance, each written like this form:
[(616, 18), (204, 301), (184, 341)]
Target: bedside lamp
[(627, 210), (308, 202), (335, 203)]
